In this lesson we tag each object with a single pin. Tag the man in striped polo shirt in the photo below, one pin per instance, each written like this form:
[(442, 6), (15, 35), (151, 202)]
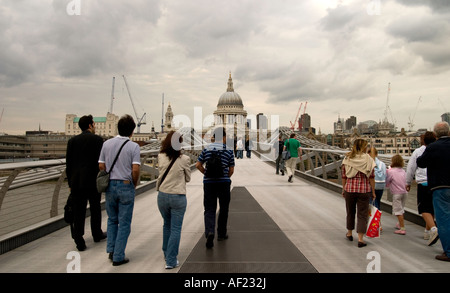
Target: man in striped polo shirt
[(219, 163)]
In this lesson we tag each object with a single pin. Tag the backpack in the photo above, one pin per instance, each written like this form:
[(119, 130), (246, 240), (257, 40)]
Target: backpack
[(214, 167)]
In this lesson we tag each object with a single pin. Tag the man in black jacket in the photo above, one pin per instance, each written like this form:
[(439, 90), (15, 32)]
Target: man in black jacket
[(436, 158), (82, 156)]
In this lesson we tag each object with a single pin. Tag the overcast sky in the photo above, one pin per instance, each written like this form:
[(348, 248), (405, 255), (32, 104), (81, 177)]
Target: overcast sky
[(337, 55)]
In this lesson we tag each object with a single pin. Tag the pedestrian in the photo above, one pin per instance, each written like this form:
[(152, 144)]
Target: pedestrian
[(436, 158), (172, 194), (239, 148), (424, 198), (396, 182), (219, 163), (121, 190), (380, 177), (293, 146), (358, 186), (279, 162), (82, 156), (248, 147)]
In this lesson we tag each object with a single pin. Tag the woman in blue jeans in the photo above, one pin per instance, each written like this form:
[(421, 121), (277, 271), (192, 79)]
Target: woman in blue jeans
[(172, 194)]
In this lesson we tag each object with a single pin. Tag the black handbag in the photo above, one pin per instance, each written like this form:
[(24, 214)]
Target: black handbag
[(103, 175), (68, 210)]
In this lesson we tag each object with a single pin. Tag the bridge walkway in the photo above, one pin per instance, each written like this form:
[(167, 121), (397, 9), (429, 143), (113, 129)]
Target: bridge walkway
[(310, 217)]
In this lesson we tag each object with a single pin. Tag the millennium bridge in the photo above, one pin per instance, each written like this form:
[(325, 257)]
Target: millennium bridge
[(274, 226)]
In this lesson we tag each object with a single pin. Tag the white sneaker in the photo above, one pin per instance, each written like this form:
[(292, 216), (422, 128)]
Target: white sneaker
[(172, 267), (434, 236), (426, 234)]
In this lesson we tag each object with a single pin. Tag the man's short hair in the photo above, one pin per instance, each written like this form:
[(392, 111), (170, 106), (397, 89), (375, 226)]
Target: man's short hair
[(85, 121), (219, 133), (292, 135), (126, 125)]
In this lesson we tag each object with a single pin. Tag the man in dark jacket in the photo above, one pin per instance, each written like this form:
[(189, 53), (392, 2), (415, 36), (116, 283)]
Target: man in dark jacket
[(82, 156), (436, 158)]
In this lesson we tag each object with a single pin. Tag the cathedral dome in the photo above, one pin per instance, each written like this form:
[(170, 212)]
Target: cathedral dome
[(230, 98)]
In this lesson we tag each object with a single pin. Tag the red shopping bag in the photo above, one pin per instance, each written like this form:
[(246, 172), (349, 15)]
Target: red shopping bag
[(373, 223)]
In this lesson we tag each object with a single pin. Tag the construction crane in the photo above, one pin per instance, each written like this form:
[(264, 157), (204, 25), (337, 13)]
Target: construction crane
[(1, 115), (442, 104), (296, 117), (300, 122), (388, 109), (141, 120), (411, 120), (112, 96)]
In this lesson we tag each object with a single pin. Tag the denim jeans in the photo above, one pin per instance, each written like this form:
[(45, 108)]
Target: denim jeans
[(377, 202), (279, 163), (441, 204), (172, 208), (119, 207), (212, 191), (239, 154)]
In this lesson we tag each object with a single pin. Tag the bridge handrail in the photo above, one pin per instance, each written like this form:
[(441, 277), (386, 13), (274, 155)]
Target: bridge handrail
[(51, 174)]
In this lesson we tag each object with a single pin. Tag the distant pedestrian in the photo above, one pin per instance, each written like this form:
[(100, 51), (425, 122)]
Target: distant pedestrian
[(172, 194), (436, 158), (278, 149), (380, 177), (293, 146), (248, 147), (358, 186), (240, 148), (396, 182), (121, 190), (219, 162), (82, 156), (424, 197)]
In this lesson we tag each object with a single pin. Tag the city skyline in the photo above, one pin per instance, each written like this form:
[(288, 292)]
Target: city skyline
[(339, 56)]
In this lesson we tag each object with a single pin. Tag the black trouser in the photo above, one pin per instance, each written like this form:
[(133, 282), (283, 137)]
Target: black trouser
[(80, 200), (212, 192)]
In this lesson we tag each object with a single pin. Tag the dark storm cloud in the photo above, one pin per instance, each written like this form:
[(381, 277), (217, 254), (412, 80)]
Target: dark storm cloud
[(425, 36), (332, 53), (438, 6), (40, 38), (210, 28)]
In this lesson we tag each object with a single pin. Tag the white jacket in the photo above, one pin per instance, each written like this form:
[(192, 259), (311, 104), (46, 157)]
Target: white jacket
[(179, 174), (412, 170)]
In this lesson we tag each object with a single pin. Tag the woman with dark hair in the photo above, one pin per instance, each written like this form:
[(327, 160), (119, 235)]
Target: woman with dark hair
[(358, 185), (172, 194)]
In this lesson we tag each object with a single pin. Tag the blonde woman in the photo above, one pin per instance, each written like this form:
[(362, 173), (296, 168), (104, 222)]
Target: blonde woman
[(358, 187)]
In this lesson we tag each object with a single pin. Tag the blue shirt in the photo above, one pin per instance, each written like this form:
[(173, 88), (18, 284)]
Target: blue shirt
[(226, 157)]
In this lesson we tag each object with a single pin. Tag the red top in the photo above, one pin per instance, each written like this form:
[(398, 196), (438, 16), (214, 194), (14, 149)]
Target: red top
[(358, 184)]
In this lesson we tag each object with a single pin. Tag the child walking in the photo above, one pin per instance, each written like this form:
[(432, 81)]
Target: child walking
[(396, 182)]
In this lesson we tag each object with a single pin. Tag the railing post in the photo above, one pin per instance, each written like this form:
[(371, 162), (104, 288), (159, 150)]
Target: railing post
[(8, 183), (55, 199)]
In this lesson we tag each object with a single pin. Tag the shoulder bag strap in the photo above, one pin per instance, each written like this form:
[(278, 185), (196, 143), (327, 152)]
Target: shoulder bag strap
[(117, 156), (167, 171)]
